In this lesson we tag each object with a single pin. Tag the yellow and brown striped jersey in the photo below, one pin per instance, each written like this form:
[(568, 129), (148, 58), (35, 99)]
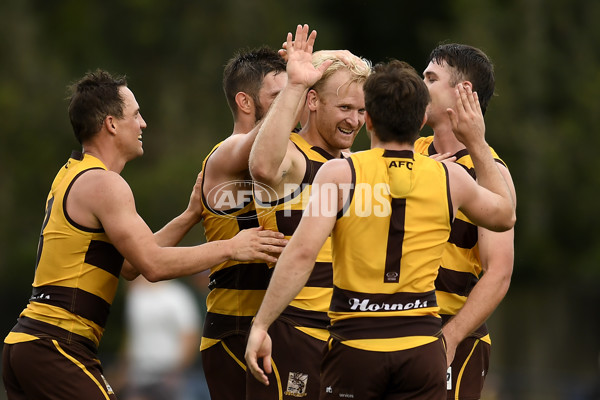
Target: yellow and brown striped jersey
[(236, 288), (76, 274), (460, 267), (387, 243), (308, 311)]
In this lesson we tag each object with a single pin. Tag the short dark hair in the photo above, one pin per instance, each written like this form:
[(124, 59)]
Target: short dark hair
[(471, 64), (396, 100), (245, 72), (93, 97)]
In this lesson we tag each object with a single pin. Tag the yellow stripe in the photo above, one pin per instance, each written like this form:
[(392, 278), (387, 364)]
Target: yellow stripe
[(321, 334), (278, 380), (241, 364), (487, 339), (205, 343), (462, 370), (18, 337), (83, 368)]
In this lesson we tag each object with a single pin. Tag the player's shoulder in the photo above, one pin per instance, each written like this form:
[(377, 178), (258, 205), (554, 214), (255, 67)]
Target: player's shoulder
[(423, 143), (337, 171), (101, 183)]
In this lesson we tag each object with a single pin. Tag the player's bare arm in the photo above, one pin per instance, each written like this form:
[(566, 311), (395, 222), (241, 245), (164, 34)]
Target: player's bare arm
[(172, 233), (270, 159), (105, 197)]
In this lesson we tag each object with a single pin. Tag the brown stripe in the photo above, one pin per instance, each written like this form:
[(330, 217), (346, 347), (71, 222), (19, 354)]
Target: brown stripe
[(76, 155), (288, 220), (104, 256), (218, 326), (253, 276), (356, 302), (312, 166), (309, 319), (76, 301), (247, 220), (448, 195), (393, 257), (321, 275), (460, 283), (463, 234), (341, 213), (322, 152), (41, 241), (44, 330), (385, 327), (399, 154)]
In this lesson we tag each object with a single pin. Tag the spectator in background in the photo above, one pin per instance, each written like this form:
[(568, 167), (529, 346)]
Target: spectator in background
[(163, 335)]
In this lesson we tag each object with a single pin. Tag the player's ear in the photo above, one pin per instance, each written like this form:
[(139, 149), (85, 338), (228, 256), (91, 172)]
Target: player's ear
[(244, 102), (109, 124), (312, 98)]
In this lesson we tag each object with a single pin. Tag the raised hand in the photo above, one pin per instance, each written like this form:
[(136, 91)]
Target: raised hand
[(299, 51), (467, 119), (257, 244)]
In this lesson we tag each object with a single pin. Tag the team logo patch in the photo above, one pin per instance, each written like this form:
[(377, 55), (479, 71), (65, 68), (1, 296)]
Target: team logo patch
[(108, 388), (296, 385)]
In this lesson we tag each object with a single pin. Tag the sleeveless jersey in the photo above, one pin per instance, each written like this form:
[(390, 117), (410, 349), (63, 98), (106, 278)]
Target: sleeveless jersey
[(460, 266), (387, 243), (308, 311), (236, 288), (77, 271)]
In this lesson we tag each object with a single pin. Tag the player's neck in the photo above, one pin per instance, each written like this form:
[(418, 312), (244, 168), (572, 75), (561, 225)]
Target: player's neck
[(444, 140), (242, 127), (375, 142), (111, 160), (314, 138)]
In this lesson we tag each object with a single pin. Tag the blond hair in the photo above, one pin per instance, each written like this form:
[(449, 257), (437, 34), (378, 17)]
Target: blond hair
[(360, 68)]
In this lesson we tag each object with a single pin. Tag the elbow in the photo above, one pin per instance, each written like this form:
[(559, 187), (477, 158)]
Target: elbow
[(512, 220), (260, 172), (151, 271), (506, 220)]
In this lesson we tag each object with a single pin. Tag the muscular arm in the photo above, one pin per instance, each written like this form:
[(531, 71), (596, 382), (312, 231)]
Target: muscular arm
[(269, 158), (172, 233), (230, 159), (103, 199), (497, 255)]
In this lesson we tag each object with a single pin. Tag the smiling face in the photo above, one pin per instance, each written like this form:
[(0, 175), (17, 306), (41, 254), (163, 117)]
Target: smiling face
[(129, 127), (338, 112)]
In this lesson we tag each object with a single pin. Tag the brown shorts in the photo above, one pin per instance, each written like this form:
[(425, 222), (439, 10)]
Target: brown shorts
[(296, 359), (52, 370), (225, 368), (468, 369), (417, 373)]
